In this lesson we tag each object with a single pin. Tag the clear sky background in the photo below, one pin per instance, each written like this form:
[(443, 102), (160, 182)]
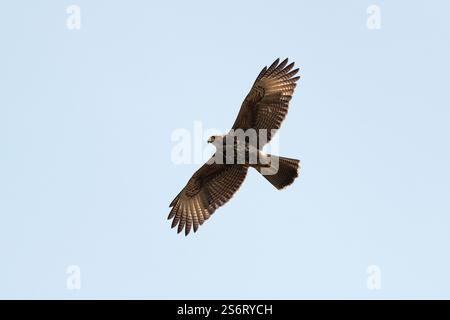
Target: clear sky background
[(86, 176)]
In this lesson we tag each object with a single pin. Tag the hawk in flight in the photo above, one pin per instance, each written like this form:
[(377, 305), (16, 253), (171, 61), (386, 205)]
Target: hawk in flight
[(261, 114)]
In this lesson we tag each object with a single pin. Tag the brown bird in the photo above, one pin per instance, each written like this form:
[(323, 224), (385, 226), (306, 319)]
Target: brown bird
[(261, 114)]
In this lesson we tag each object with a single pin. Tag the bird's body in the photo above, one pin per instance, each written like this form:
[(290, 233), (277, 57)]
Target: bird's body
[(233, 149), (261, 114)]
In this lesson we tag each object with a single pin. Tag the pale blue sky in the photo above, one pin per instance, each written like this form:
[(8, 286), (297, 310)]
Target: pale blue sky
[(85, 166)]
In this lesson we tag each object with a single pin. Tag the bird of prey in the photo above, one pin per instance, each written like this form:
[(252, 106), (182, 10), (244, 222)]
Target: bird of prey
[(261, 113)]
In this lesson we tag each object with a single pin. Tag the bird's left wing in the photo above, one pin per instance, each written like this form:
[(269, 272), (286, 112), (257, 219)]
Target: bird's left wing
[(266, 105), (208, 189)]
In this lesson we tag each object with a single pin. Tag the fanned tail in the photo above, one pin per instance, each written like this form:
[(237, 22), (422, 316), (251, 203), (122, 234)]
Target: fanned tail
[(282, 171)]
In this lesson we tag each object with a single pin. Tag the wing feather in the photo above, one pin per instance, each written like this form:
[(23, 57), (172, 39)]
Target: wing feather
[(267, 103), (210, 187)]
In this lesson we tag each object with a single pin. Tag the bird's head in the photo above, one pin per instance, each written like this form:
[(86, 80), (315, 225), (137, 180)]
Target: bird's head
[(212, 139), (216, 141)]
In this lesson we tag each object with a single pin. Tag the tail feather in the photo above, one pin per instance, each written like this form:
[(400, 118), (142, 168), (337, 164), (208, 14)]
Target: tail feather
[(282, 171)]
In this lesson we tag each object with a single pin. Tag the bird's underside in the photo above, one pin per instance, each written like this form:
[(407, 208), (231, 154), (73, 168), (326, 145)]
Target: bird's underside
[(262, 111)]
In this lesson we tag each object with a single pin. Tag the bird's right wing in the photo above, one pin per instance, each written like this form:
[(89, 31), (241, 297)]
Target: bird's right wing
[(208, 189), (266, 105)]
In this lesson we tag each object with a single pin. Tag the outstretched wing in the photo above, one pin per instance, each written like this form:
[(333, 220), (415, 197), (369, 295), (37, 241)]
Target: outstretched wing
[(266, 105), (208, 189)]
